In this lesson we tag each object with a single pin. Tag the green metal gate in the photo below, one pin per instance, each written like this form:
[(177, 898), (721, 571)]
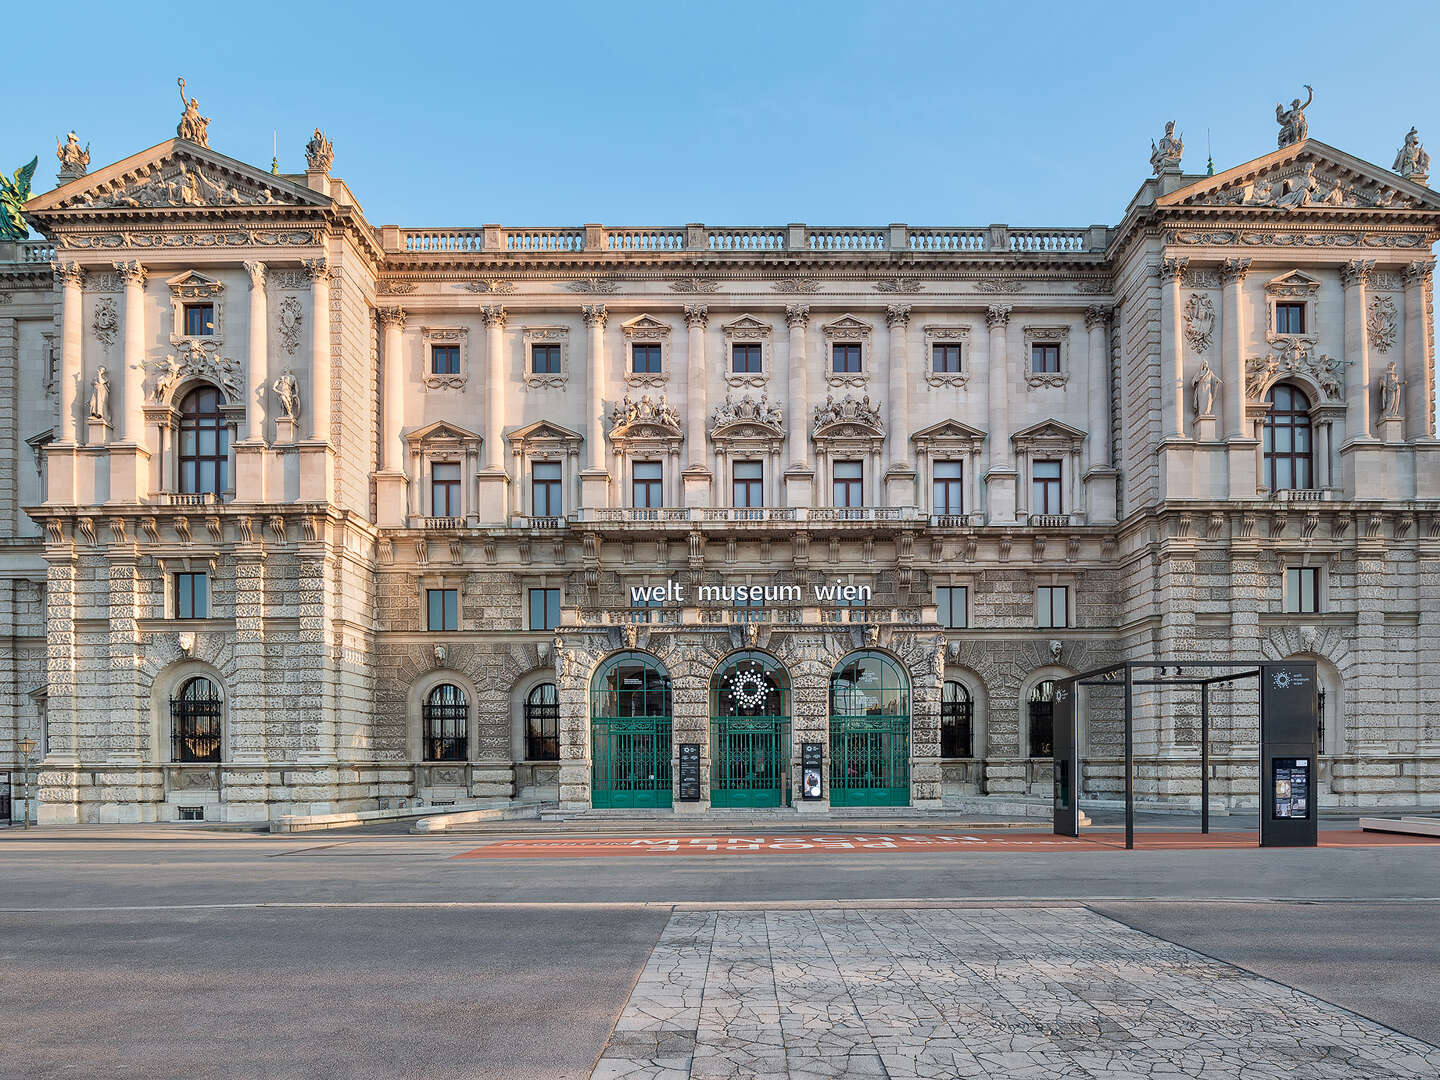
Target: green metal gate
[(631, 758), (749, 760), (869, 732)]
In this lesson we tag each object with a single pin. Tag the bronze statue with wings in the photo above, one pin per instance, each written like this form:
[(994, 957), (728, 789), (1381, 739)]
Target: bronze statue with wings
[(14, 191)]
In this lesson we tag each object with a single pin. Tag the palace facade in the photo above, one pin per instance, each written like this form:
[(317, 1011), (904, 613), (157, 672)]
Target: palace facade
[(301, 514)]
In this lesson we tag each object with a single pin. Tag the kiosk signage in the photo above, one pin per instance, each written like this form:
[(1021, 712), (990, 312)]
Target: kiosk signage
[(812, 759), (1289, 705), (689, 772)]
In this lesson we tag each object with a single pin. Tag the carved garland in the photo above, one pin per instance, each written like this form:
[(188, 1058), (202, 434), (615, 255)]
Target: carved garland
[(1047, 335), (747, 330), (947, 335), (546, 335), (1382, 322)]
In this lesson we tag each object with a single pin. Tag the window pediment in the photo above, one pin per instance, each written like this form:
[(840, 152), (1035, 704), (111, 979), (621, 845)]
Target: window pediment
[(1049, 435), (849, 418), (441, 439), (747, 418), (1294, 283), (949, 435), (193, 287), (544, 433), (653, 418)]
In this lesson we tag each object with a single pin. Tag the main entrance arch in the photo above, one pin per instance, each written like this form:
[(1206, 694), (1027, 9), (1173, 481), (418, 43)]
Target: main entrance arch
[(869, 732), (749, 732), (630, 724)]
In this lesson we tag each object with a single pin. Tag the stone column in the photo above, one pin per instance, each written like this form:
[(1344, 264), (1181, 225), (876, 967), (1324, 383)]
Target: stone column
[(1000, 475), (1419, 383), (1172, 352), (131, 418), (1355, 275), (899, 473), (252, 425), (797, 317), (71, 279), (1097, 440), (393, 322), (1232, 347), (318, 403), (697, 475), (494, 316), (594, 481)]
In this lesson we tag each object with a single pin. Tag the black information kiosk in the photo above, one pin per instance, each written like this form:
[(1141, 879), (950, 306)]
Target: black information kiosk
[(689, 772)]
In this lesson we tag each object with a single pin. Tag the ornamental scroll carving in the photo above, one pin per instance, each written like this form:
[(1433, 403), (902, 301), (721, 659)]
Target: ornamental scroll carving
[(835, 417), (106, 322), (947, 335), (546, 335), (1047, 335), (747, 410), (747, 330), (1199, 321), (289, 317), (1381, 322), (627, 416), (199, 360), (1294, 357)]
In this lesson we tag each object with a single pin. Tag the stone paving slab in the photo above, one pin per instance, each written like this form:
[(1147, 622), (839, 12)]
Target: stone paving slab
[(943, 993)]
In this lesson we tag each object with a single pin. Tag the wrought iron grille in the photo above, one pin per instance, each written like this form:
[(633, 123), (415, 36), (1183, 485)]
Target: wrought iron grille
[(542, 724), (195, 718), (956, 722), (445, 716)]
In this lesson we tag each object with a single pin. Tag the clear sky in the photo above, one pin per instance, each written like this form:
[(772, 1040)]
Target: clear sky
[(724, 113)]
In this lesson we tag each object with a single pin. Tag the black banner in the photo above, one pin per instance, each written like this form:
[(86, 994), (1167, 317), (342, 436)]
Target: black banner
[(689, 772)]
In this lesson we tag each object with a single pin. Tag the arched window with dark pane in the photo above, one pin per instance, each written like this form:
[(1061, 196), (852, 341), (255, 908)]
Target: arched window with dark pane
[(1289, 462), (957, 714), (444, 717), (195, 718), (542, 724), (204, 443), (1042, 719)]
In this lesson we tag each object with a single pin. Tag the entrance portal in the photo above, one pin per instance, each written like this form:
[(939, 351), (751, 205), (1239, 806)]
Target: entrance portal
[(630, 726), (749, 732), (869, 732)]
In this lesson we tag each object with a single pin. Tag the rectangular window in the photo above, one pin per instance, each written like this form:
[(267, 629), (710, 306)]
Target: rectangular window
[(845, 356), (745, 357), (1045, 356), (544, 359), (749, 484), (849, 483), (1302, 593), (445, 489), (950, 604), (1052, 606), (444, 609), (948, 488), (199, 320), (544, 609), (1045, 487), (545, 489), (945, 357), (192, 596), (646, 484), (445, 359), (1290, 318), (645, 357), (640, 607)]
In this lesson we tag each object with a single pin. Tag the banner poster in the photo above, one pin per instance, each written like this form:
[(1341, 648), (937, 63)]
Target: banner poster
[(689, 772), (1291, 788), (811, 762)]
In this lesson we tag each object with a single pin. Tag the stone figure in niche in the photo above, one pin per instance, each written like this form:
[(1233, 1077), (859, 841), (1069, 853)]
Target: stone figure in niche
[(74, 162), (1293, 126), (287, 389), (1390, 384), (1206, 383), (1412, 162), (1166, 157), (100, 396), (192, 125)]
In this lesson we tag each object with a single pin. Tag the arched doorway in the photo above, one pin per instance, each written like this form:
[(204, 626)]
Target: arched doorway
[(749, 732), (869, 732), (630, 722)]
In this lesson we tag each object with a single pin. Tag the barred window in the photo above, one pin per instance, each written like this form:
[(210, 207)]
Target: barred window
[(444, 718), (195, 722), (957, 714), (542, 724)]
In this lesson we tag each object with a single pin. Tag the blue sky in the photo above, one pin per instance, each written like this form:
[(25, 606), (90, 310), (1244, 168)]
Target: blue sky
[(739, 113)]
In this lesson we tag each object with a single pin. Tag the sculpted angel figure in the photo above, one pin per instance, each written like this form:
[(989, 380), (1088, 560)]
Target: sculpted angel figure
[(1293, 126), (1206, 383), (100, 396), (192, 125), (287, 388)]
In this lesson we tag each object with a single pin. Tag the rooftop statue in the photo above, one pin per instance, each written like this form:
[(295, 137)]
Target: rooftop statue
[(74, 162), (319, 153), (1293, 128), (192, 125), (13, 193), (1412, 162), (1166, 157)]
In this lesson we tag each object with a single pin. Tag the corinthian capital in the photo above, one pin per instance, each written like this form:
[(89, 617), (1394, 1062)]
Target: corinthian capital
[(1096, 315), (797, 315), (697, 316), (997, 316), (494, 315), (132, 272), (391, 316), (1234, 270), (1356, 272), (595, 315), (256, 270), (897, 315), (1419, 270), (1173, 266), (68, 274), (316, 269)]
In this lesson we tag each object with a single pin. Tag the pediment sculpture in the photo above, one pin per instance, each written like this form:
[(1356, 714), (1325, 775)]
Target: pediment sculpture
[(184, 185), (196, 359), (748, 410), (75, 159), (1291, 357), (628, 414), (192, 125), (1165, 158), (1293, 126), (1309, 187), (849, 411)]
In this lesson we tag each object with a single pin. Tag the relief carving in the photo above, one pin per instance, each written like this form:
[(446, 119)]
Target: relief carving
[(1199, 321), (289, 320)]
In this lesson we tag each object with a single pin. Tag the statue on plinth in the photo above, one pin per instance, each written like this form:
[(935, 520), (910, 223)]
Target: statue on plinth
[(1293, 126), (192, 125), (1205, 384), (287, 389), (1412, 161), (1390, 401), (100, 396), (319, 153), (74, 161), (1166, 157)]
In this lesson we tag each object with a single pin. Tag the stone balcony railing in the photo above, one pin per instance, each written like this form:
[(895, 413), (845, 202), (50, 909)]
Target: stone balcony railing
[(679, 515), (692, 614)]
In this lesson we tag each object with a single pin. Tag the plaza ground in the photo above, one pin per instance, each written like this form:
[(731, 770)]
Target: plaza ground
[(189, 953)]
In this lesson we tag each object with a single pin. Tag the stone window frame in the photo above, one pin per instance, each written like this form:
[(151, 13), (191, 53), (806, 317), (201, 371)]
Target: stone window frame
[(1047, 440), (747, 440), (444, 335), (442, 441), (519, 691), (747, 330), (427, 580), (1046, 335), (415, 698), (971, 680), (1047, 673), (1293, 286), (545, 441), (947, 335), (1055, 581), (169, 565), (163, 688), (1322, 585), (950, 440), (646, 329), (531, 336), (189, 287), (845, 329)]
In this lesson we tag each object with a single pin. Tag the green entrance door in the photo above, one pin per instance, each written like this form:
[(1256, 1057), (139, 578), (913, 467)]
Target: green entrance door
[(630, 733), (749, 732), (869, 732)]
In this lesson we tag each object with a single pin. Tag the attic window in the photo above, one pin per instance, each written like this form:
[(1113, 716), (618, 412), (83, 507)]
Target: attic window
[(199, 320)]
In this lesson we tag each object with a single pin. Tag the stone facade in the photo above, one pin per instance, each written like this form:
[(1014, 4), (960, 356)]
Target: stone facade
[(1135, 363)]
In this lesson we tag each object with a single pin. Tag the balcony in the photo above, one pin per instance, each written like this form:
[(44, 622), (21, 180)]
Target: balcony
[(1049, 521), (1304, 495), (442, 524), (743, 515), (552, 522), (201, 498)]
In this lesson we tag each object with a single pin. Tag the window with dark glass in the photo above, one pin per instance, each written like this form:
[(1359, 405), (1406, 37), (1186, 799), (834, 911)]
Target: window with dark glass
[(1042, 720), (445, 359), (204, 456), (645, 357), (849, 483), (1290, 318), (646, 484), (1045, 486), (950, 601), (545, 498), (1052, 606), (948, 487), (544, 609), (642, 606), (199, 320), (444, 719), (192, 596), (957, 717), (1287, 445), (749, 483), (195, 715), (845, 357), (445, 489), (1302, 593), (443, 609), (545, 358), (1045, 356), (745, 357), (945, 357), (542, 724)]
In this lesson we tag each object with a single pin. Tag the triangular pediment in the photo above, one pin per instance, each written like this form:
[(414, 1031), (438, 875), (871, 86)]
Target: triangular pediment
[(645, 325), (442, 431), (544, 429), (193, 279), (1295, 281), (1048, 429), (948, 429), (746, 324), (1305, 176), (173, 174), (847, 325)]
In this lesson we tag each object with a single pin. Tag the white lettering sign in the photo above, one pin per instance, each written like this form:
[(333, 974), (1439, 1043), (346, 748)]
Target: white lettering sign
[(673, 592)]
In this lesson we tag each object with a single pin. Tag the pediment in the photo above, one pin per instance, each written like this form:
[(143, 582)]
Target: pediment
[(1048, 429), (746, 326), (645, 326), (192, 281), (442, 431), (1293, 282), (948, 429), (177, 173), (1307, 175), (847, 325), (544, 430)]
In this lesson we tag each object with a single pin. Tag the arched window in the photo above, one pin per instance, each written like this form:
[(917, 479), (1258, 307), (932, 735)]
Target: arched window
[(869, 684), (1288, 462), (869, 732), (750, 731), (444, 720), (195, 722), (1042, 719), (204, 443), (750, 684), (957, 714), (542, 724), (630, 732)]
